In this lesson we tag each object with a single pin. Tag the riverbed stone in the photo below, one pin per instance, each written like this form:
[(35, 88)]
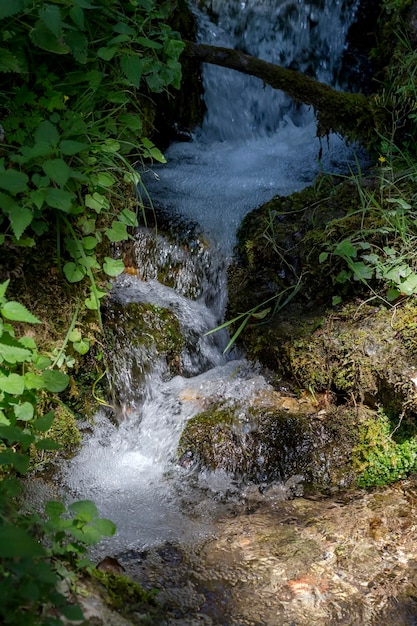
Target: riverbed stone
[(274, 438)]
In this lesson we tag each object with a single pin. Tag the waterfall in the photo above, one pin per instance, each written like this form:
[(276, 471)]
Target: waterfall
[(254, 143)]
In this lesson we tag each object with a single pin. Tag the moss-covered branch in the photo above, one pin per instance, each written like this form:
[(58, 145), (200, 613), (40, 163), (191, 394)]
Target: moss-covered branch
[(352, 115)]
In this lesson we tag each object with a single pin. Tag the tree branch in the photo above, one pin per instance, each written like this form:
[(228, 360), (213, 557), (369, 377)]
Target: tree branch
[(351, 115)]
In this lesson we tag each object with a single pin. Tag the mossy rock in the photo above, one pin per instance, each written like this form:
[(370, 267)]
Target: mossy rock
[(140, 335), (361, 353), (265, 442)]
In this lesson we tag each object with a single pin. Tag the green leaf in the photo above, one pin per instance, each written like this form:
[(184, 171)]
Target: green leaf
[(75, 335), (392, 294), (47, 444), (50, 15), (33, 381), (3, 287), (362, 271), (59, 199), (72, 612), (107, 53), (73, 272), (131, 121), (15, 542), (12, 352), (13, 384), (20, 218), (57, 170), (55, 381), (103, 179), (24, 411), (128, 217), (10, 7), (148, 43), (105, 527), (8, 61), (117, 232), (113, 267), (69, 147), (93, 302), (47, 133), (78, 43), (262, 314), (345, 249), (16, 312), (85, 510), (97, 202), (77, 15), (54, 509), (44, 423), (409, 286), (17, 460), (323, 257), (132, 67), (400, 201), (13, 181), (82, 347), (89, 243), (43, 38)]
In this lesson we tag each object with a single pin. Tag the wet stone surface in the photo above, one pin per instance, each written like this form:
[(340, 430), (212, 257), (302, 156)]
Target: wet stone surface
[(350, 559)]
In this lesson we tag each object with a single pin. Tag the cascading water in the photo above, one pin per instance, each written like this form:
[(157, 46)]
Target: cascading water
[(254, 143)]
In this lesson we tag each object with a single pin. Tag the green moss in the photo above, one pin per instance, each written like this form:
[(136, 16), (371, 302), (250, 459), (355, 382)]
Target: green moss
[(383, 454), (64, 429), (123, 593)]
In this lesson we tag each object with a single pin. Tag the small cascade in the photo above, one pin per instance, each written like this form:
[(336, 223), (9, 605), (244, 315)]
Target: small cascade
[(254, 143)]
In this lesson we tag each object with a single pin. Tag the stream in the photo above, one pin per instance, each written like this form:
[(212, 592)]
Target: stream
[(221, 552)]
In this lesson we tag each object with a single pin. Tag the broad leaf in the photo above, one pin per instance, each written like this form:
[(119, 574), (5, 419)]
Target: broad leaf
[(13, 181), (69, 147), (11, 351), (85, 510), (117, 232), (17, 460), (73, 273), (20, 218), (44, 423), (47, 133), (13, 384), (82, 347), (57, 170), (15, 542), (113, 267), (59, 199), (50, 15), (10, 7), (55, 381), (16, 312), (8, 62), (47, 444), (132, 67), (42, 37), (24, 411)]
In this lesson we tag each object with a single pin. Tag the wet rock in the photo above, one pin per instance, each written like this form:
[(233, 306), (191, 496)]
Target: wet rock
[(275, 438)]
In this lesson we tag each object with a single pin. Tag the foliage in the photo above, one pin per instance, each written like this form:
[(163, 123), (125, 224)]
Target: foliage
[(381, 458), (380, 254), (34, 552), (73, 73)]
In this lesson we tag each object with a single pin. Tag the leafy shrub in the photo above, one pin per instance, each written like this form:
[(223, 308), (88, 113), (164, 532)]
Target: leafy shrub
[(73, 73), (36, 552)]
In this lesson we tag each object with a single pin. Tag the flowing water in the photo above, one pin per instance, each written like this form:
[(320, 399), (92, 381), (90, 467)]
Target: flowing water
[(254, 143)]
